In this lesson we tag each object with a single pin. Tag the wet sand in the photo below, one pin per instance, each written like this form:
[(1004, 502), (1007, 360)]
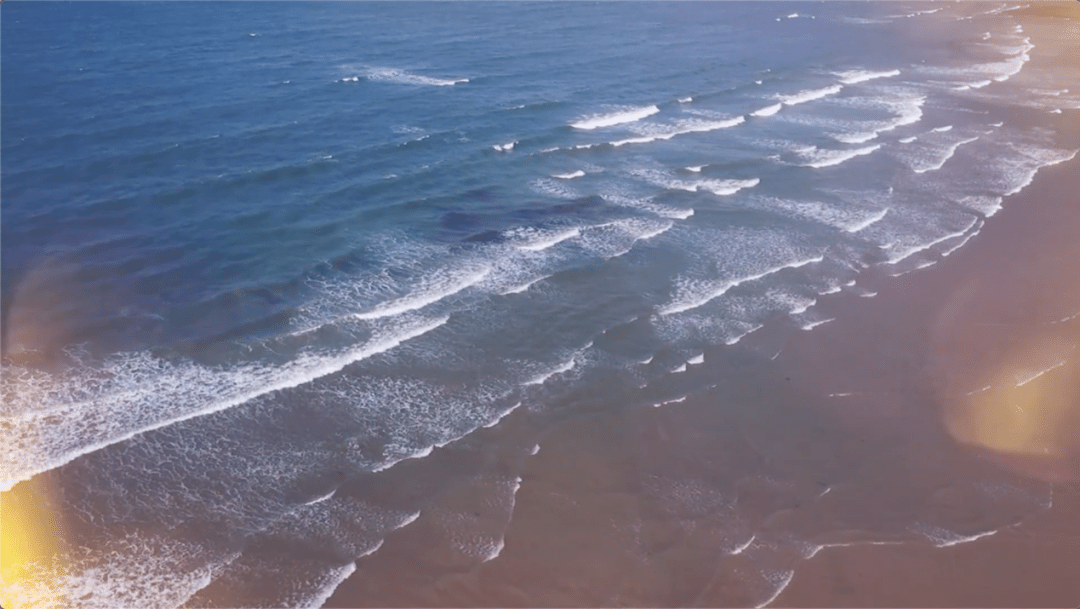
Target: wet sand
[(861, 464)]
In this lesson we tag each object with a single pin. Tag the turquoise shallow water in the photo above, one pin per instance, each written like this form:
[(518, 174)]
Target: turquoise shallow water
[(252, 250)]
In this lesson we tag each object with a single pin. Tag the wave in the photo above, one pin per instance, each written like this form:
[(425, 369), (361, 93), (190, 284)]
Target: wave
[(565, 367), (907, 140), (685, 100), (697, 359), (615, 118), (768, 110), (395, 75), (809, 95), (858, 137), (142, 393), (524, 286), (717, 187), (902, 254), (695, 168), (682, 128), (818, 158), (963, 241), (427, 293), (569, 176), (695, 298), (943, 538), (810, 325), (942, 129), (948, 152), (544, 240), (504, 147), (851, 77), (858, 226), (973, 85)]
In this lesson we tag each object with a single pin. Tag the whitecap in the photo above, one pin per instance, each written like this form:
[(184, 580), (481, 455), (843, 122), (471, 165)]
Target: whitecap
[(809, 95), (851, 77), (614, 118)]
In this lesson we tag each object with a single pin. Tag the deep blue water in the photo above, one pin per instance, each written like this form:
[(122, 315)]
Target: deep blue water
[(395, 223)]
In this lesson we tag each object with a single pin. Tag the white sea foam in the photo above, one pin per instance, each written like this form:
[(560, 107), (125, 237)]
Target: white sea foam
[(685, 100), (544, 240), (507, 147), (768, 110), (809, 95), (569, 176), (907, 140), (851, 77), (742, 547), (898, 254), (932, 164), (614, 118), (495, 421), (697, 359), (857, 137), (1024, 377), (942, 129), (674, 401), (395, 75), (431, 291), (524, 286), (858, 226), (142, 393), (963, 241), (944, 538), (810, 325), (321, 498), (781, 581), (535, 449), (679, 368), (695, 295), (666, 132), (695, 168), (717, 187), (818, 158), (565, 367)]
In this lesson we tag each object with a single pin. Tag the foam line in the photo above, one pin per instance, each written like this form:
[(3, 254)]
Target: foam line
[(856, 76), (809, 95), (395, 75), (693, 302), (558, 370), (550, 240), (1024, 379), (324, 595), (72, 441), (569, 176), (767, 110), (615, 118), (867, 222), (783, 582), (441, 288), (741, 548), (829, 158), (949, 152)]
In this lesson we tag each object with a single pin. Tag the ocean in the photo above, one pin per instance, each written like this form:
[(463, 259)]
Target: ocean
[(255, 254)]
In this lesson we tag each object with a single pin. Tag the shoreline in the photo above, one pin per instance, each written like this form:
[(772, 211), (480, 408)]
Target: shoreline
[(849, 473)]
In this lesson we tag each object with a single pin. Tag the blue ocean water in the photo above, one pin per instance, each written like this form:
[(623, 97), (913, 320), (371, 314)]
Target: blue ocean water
[(250, 250)]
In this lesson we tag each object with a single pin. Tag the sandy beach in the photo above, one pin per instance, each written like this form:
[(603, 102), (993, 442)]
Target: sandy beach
[(920, 450)]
